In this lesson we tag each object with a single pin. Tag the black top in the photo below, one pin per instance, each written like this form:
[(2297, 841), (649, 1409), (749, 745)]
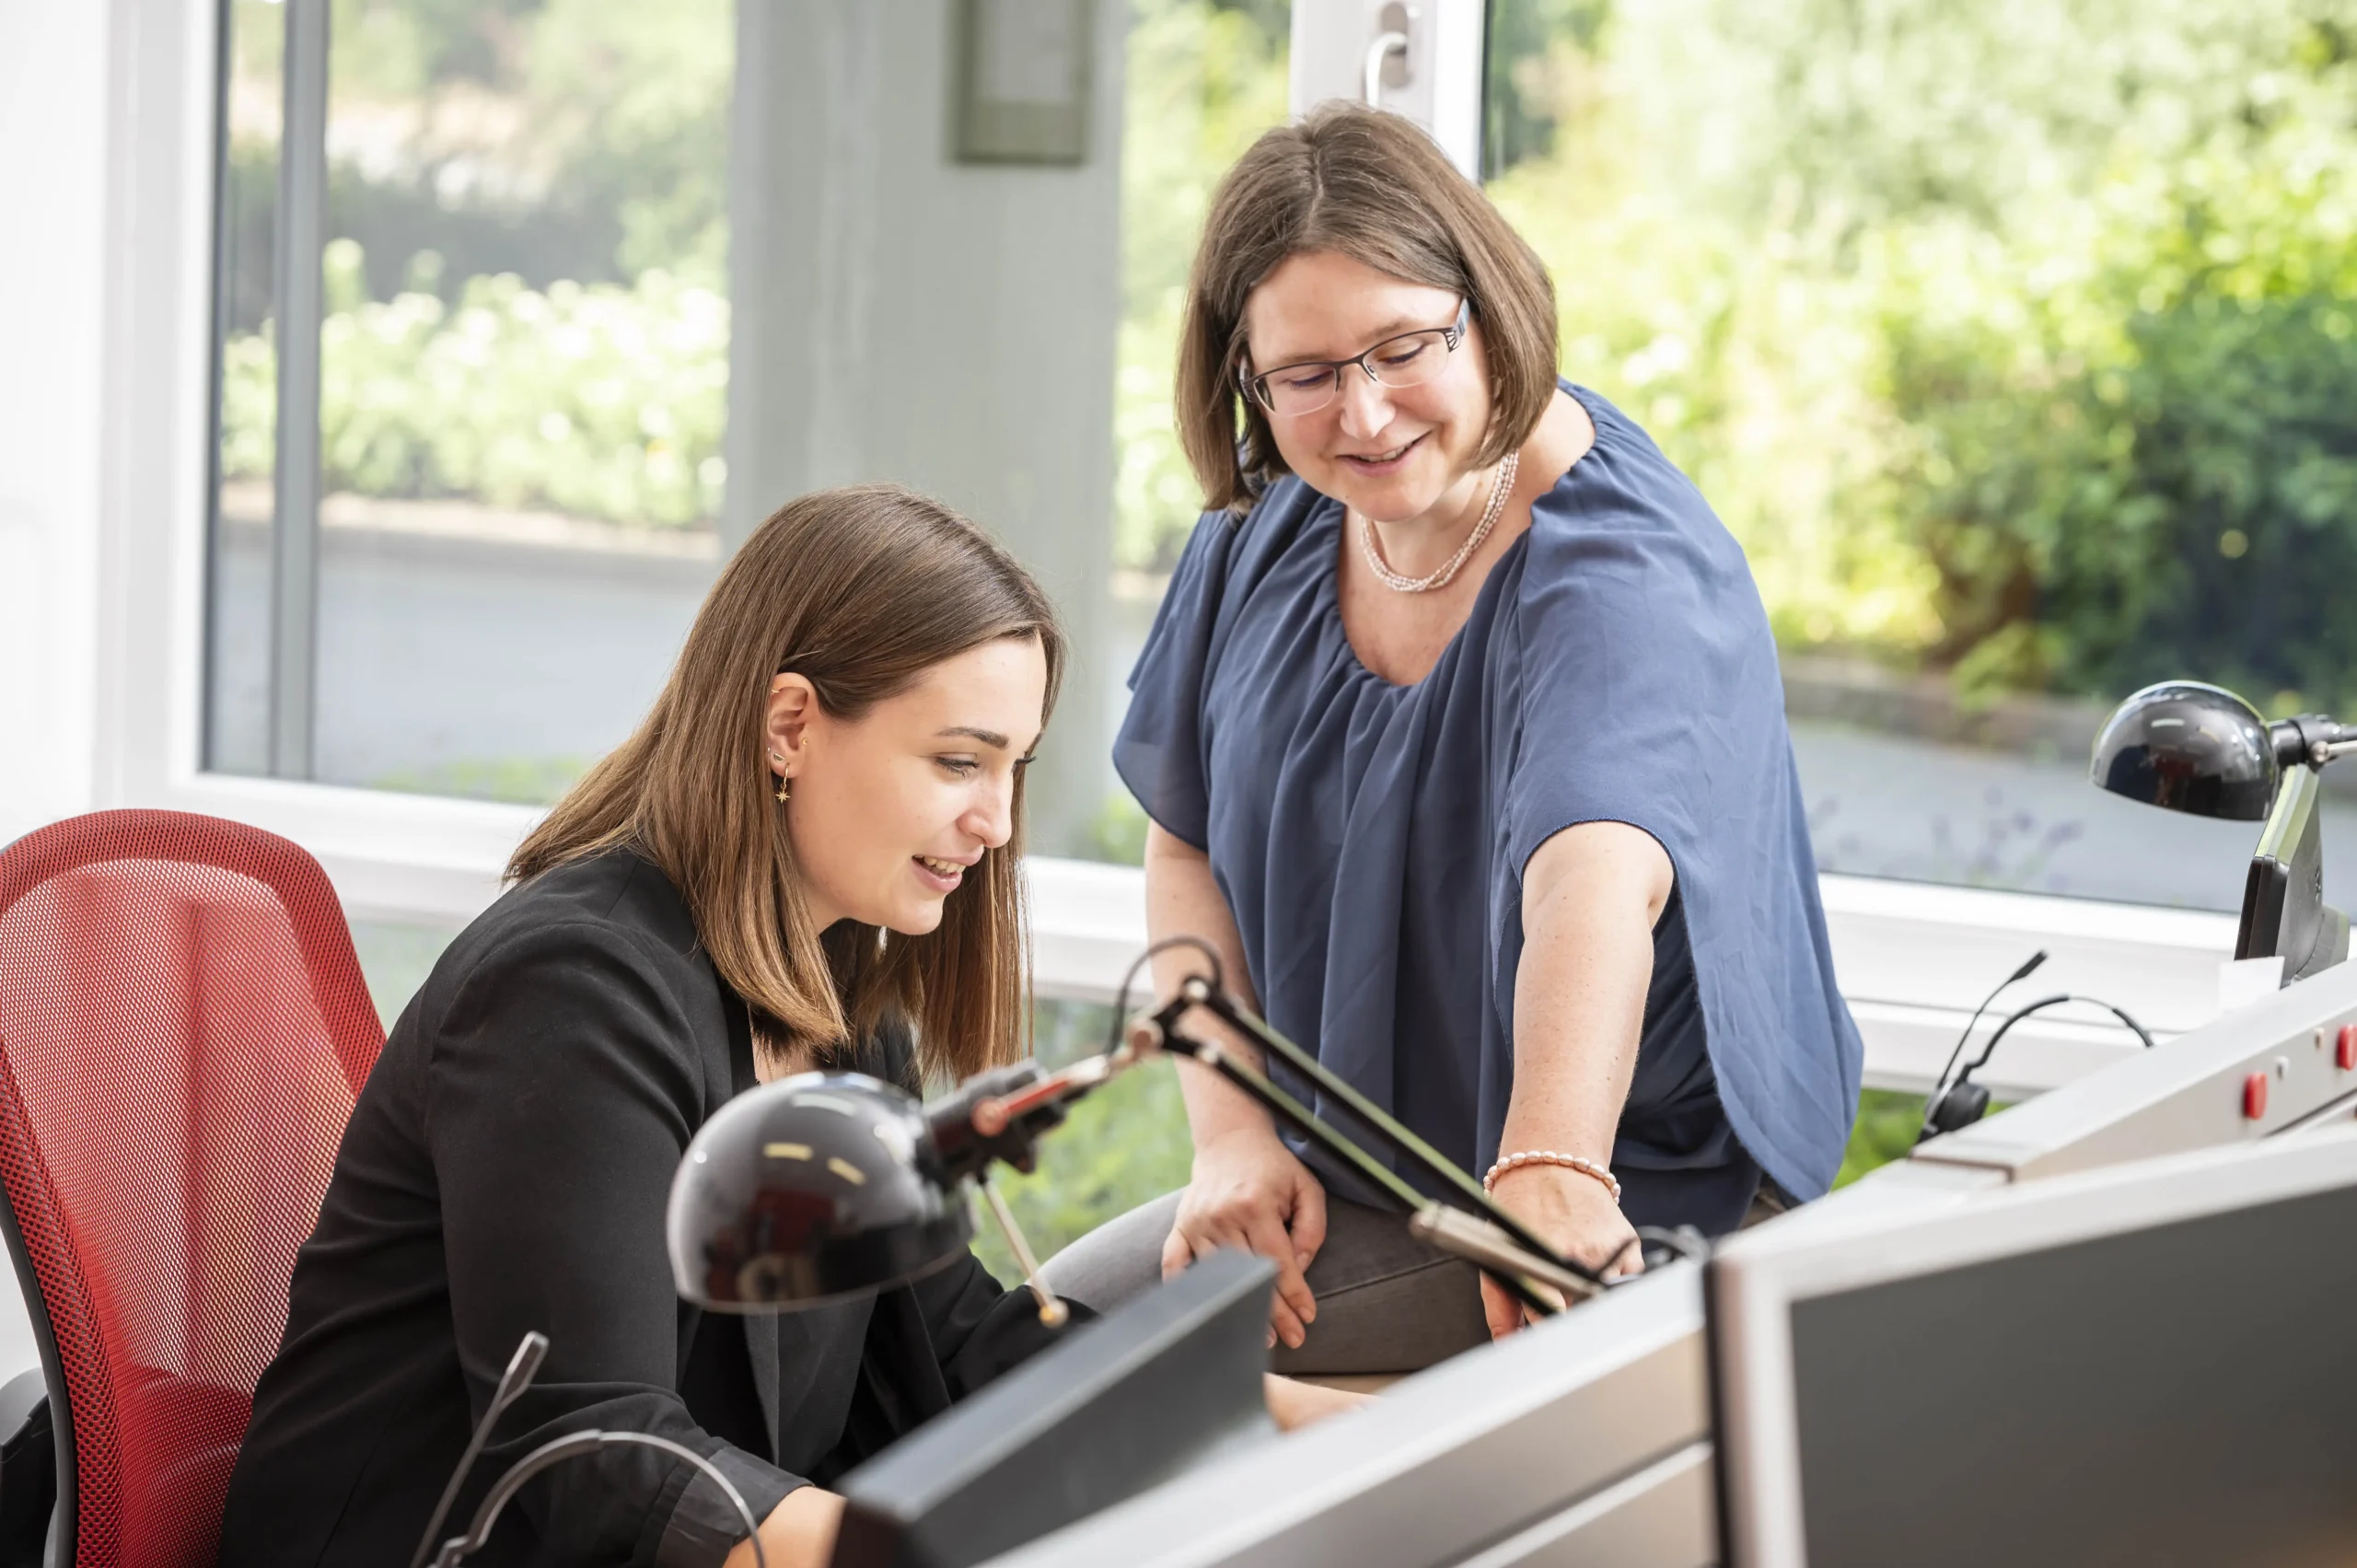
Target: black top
[(506, 1168)]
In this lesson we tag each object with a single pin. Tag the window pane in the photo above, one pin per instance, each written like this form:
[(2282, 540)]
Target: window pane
[(2018, 347), (1201, 79), (395, 959), (524, 358), (1205, 77), (237, 662), (528, 402)]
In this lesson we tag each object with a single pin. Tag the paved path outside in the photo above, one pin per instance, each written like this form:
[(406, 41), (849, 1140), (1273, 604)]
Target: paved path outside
[(502, 668)]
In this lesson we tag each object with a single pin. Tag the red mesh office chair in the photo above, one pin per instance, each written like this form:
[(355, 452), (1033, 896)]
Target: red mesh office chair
[(182, 1032)]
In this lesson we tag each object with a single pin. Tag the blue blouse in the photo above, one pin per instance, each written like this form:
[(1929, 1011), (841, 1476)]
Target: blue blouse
[(1370, 838)]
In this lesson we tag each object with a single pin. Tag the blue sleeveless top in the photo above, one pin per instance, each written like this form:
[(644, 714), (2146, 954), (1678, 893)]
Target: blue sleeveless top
[(1370, 838)]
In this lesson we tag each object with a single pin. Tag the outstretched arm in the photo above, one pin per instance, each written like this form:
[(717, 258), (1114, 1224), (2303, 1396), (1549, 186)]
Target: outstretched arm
[(1590, 897), (1248, 1190)]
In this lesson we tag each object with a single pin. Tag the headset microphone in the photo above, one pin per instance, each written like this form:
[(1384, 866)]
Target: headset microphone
[(1937, 1110), (1964, 1103)]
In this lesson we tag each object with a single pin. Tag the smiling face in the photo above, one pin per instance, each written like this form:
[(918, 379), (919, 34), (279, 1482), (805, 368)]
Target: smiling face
[(889, 810), (1390, 453)]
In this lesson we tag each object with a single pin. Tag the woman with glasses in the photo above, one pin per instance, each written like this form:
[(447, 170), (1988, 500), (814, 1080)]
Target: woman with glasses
[(1461, 734)]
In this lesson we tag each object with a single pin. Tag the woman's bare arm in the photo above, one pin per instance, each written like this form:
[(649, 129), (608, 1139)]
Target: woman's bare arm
[(1590, 897), (1248, 1190)]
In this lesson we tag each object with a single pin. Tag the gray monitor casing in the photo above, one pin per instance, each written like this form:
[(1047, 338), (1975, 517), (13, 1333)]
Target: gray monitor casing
[(1523, 1452), (2151, 1363)]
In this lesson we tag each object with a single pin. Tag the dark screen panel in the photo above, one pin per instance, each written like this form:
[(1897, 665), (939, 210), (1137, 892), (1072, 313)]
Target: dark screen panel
[(2055, 1441)]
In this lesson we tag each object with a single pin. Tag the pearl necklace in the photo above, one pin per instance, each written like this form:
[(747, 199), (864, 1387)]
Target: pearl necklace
[(1499, 488)]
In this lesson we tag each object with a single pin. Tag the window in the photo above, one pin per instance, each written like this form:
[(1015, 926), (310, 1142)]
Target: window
[(470, 473), (595, 291), (1206, 77), (2018, 348), (792, 260)]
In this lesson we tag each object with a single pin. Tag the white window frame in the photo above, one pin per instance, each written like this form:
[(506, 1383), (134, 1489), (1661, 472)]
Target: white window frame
[(118, 546)]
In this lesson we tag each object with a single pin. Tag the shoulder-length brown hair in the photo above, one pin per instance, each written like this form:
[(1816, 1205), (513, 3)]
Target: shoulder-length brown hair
[(859, 590), (1371, 186)]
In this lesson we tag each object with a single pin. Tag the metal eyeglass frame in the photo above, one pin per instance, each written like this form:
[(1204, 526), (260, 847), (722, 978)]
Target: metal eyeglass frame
[(1255, 388)]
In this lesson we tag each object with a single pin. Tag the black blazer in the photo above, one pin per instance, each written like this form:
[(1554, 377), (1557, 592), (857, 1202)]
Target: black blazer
[(506, 1168)]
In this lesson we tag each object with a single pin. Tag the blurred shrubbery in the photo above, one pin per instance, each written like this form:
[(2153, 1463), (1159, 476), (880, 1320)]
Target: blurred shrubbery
[(1205, 79), (2132, 444), (600, 399), (2018, 339), (2012, 339), (525, 306), (1122, 1147)]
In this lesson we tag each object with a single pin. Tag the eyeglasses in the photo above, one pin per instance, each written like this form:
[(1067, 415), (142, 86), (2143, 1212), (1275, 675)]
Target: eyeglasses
[(1408, 360)]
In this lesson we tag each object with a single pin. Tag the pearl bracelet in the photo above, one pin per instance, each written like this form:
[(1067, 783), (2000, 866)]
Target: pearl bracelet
[(1549, 1156)]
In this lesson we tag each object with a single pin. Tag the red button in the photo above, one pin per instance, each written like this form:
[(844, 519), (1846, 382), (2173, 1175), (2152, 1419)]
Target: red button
[(2344, 1054), (2254, 1097)]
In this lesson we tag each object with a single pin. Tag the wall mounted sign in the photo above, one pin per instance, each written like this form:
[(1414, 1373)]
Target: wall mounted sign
[(1022, 83)]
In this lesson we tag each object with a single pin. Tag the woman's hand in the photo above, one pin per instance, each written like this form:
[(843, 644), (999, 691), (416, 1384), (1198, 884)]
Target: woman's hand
[(1573, 1212), (1293, 1404), (1248, 1192), (799, 1532)]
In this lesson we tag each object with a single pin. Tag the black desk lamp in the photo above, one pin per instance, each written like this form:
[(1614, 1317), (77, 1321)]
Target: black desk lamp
[(2204, 750), (830, 1185)]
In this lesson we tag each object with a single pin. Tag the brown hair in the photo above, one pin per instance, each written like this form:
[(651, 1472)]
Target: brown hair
[(860, 591), (1372, 186)]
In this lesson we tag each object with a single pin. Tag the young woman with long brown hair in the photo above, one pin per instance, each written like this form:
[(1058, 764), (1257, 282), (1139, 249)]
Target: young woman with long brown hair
[(807, 855)]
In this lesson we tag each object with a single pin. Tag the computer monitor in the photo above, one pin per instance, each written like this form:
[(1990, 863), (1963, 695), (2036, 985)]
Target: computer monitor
[(2153, 1364), (2284, 914), (1167, 1381)]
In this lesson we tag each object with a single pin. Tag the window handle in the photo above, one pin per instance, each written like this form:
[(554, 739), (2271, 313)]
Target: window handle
[(1386, 54)]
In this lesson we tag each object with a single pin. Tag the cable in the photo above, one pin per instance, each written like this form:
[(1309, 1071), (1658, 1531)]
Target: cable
[(1959, 1104), (573, 1446), (1686, 1241), (1129, 975), (2139, 1030), (2029, 967), (521, 1368)]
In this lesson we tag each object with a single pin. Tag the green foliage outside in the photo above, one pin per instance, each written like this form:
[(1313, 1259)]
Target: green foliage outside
[(519, 780), (1204, 80), (525, 303), (1122, 1147), (555, 337), (2016, 342), (1127, 1145), (1888, 1122), (2013, 340), (590, 399), (601, 401)]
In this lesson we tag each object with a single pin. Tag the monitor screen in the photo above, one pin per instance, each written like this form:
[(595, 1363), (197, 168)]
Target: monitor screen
[(2176, 1392), (1166, 1382)]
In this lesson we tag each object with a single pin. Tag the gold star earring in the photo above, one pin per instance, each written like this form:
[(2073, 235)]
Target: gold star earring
[(784, 781)]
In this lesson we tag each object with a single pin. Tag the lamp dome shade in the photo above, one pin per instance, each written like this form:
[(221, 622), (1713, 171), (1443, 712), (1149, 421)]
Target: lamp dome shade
[(815, 1188), (2190, 748)]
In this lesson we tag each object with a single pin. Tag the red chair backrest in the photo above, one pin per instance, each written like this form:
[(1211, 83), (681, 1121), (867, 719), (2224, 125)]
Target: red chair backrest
[(183, 1031)]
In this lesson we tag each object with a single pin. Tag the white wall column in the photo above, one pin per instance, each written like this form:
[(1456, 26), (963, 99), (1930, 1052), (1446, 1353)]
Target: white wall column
[(55, 125), (900, 315)]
